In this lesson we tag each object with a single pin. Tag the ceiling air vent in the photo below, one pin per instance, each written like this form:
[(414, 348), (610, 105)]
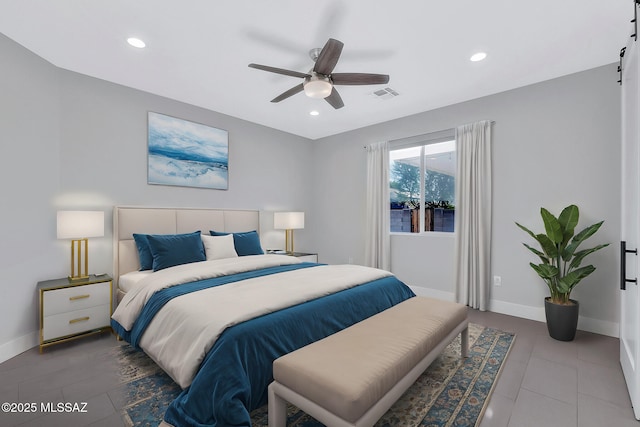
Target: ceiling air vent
[(386, 93)]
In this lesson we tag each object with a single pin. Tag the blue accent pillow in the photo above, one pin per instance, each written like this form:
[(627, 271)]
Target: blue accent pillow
[(169, 250), (144, 252), (246, 243)]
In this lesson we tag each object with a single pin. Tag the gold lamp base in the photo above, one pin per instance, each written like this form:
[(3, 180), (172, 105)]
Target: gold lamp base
[(77, 258), (288, 238)]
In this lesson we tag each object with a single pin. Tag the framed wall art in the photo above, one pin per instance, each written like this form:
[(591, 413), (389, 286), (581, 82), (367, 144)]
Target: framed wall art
[(187, 154)]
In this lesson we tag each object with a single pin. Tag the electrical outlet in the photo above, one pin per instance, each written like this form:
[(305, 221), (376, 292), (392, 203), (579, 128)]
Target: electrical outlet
[(497, 281)]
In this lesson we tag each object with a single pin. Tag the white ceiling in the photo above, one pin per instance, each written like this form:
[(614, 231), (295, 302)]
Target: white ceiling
[(198, 50)]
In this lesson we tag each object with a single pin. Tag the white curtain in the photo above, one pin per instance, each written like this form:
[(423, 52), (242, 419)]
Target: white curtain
[(473, 214), (377, 250)]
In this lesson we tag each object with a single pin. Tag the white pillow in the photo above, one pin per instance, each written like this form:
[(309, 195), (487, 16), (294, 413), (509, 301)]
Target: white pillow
[(219, 247)]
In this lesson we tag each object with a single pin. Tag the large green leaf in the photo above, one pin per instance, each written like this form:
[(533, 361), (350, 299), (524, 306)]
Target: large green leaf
[(567, 253), (545, 243), (549, 248), (546, 271), (568, 220), (579, 256), (566, 283), (529, 232), (552, 226), (542, 256)]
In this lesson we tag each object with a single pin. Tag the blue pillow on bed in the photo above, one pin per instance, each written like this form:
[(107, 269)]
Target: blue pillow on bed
[(144, 252), (169, 250), (247, 243)]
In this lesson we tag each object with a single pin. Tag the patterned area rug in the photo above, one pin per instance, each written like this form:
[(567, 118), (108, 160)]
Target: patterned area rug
[(451, 392)]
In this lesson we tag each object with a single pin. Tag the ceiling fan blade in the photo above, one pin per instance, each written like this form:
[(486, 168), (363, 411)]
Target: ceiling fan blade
[(359, 79), (334, 99), (328, 57), (290, 92), (279, 71)]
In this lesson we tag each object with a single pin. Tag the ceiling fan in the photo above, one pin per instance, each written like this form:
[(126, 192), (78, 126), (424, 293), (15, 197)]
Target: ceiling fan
[(320, 81)]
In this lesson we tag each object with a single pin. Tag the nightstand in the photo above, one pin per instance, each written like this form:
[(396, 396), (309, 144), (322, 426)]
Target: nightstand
[(302, 256), (74, 309)]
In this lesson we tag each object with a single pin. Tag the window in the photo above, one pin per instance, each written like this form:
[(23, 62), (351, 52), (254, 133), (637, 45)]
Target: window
[(422, 172)]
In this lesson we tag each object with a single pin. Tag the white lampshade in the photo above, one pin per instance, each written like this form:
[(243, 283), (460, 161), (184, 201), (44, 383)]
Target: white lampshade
[(317, 88), (288, 220), (80, 224)]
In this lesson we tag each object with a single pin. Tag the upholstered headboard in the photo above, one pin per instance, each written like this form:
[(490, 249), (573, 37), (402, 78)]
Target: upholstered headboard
[(129, 220)]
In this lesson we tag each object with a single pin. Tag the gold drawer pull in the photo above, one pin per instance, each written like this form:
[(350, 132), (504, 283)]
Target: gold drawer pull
[(78, 297), (80, 319)]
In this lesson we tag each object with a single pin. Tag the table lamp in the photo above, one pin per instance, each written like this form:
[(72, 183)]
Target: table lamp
[(79, 226), (288, 221)]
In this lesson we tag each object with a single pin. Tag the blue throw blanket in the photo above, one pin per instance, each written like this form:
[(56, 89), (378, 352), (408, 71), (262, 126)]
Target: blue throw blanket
[(233, 378)]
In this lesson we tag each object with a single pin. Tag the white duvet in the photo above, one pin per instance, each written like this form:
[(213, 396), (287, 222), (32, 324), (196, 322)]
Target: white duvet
[(186, 328)]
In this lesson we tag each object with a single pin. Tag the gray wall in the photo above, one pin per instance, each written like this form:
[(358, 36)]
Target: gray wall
[(29, 178), (74, 142), (554, 143)]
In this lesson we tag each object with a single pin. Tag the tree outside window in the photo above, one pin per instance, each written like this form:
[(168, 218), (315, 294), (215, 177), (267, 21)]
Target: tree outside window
[(433, 164)]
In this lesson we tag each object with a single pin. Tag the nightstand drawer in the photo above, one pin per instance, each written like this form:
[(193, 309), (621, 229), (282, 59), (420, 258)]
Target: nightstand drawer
[(75, 322), (75, 298)]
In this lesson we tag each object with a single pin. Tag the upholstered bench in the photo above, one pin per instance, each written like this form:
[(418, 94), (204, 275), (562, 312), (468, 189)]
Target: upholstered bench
[(354, 376)]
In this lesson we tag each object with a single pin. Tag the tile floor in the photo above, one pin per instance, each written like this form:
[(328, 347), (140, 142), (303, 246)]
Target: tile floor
[(543, 383), (550, 383)]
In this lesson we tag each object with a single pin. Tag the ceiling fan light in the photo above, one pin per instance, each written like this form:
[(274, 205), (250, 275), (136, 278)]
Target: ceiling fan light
[(135, 42), (479, 56), (317, 88)]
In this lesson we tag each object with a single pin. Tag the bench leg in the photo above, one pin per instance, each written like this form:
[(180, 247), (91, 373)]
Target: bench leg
[(277, 409), (464, 342)]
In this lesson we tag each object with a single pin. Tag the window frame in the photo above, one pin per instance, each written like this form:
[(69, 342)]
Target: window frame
[(422, 141)]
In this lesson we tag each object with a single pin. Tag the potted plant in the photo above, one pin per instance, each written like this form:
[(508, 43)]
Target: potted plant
[(561, 267)]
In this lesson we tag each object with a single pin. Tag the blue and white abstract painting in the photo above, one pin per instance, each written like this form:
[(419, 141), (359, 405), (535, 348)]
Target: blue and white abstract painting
[(187, 154)]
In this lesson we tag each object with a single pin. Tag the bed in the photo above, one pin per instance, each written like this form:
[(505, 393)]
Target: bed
[(215, 325)]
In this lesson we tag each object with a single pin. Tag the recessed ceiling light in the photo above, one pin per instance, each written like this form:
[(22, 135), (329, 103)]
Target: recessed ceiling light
[(314, 113), (136, 42), (478, 56)]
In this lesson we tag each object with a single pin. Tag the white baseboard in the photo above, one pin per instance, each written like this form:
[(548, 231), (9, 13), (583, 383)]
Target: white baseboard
[(517, 310), (433, 293), (588, 324), (19, 345), (598, 326)]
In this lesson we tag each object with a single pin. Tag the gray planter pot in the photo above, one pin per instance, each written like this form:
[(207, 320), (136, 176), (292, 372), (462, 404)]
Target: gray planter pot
[(562, 320)]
